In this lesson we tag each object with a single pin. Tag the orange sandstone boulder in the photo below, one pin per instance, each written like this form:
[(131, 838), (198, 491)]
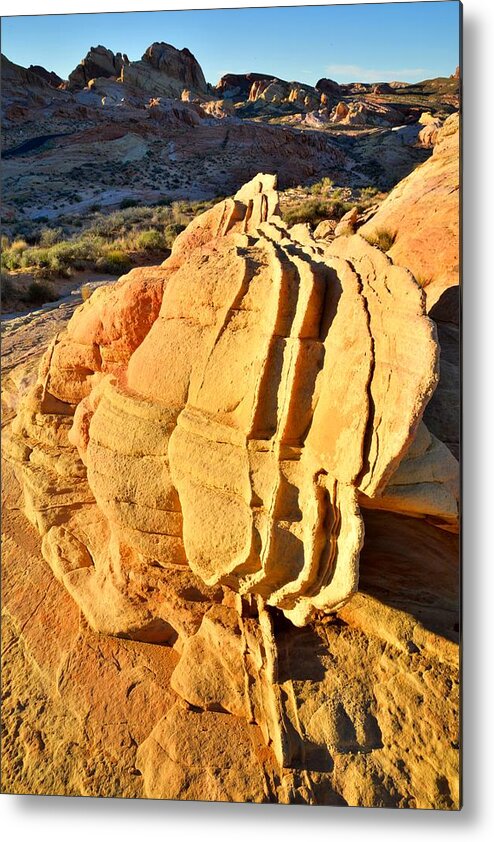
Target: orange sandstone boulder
[(204, 447), (427, 243), (219, 419)]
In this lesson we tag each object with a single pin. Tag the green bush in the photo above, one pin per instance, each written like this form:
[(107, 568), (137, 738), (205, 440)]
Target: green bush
[(105, 243), (35, 257), (369, 192), (151, 240), (314, 211), (18, 246), (50, 236), (115, 262), (322, 187), (12, 255), (311, 211), (11, 260)]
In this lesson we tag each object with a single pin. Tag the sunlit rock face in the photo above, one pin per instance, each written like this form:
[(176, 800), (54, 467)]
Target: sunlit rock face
[(214, 424)]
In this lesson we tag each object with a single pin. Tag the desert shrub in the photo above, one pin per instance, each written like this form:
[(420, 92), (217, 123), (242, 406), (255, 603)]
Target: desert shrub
[(115, 262), (128, 203), (311, 211), (314, 211), (64, 256), (18, 246), (369, 192), (339, 209), (4, 242), (50, 236), (10, 260), (382, 238), (12, 256), (40, 292), (171, 233), (35, 257), (7, 289), (321, 188), (108, 226), (151, 240)]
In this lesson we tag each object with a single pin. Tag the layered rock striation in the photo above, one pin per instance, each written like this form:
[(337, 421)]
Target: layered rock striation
[(199, 454), (300, 373)]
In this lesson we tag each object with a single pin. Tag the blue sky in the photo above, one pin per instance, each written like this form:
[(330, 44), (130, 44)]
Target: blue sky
[(371, 42)]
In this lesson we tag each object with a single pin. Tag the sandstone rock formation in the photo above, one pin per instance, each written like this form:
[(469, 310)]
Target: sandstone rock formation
[(429, 134), (238, 85), (328, 86), (423, 214), (165, 71), (255, 397), (382, 88), (275, 91), (72, 132), (99, 62), (366, 113), (428, 245), (199, 454), (347, 223)]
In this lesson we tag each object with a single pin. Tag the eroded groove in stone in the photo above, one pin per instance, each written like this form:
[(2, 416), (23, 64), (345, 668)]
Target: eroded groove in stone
[(221, 418)]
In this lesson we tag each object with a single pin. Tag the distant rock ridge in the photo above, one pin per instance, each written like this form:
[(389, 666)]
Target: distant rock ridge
[(49, 76), (15, 74), (238, 85)]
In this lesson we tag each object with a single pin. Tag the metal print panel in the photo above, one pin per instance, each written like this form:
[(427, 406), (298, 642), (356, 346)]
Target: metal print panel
[(230, 294)]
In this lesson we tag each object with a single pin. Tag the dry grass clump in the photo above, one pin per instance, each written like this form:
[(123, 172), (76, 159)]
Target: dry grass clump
[(382, 238)]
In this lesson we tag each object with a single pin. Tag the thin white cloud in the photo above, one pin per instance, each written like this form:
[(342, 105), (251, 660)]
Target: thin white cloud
[(355, 73)]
